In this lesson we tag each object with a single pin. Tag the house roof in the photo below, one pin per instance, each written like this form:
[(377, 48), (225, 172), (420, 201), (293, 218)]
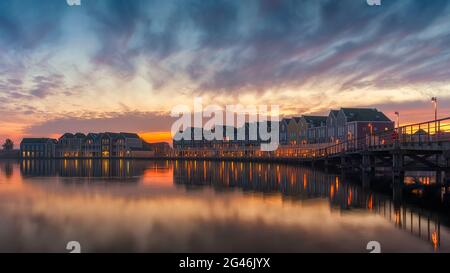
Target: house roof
[(364, 114), (67, 135), (159, 144), (93, 135), (315, 121), (112, 135), (296, 119), (130, 135), (37, 140), (333, 113), (80, 135)]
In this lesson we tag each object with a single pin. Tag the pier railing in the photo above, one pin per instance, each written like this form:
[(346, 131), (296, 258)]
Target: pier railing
[(419, 134)]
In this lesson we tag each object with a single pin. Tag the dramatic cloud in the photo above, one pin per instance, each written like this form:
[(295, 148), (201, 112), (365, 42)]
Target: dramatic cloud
[(129, 122), (144, 56)]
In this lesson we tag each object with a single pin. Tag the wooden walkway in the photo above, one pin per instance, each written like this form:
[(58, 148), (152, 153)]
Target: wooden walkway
[(421, 146)]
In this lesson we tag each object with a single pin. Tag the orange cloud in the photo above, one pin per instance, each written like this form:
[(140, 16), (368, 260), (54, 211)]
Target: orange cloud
[(156, 136)]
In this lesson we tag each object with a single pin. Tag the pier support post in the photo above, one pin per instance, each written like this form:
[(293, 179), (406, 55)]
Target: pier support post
[(397, 192), (366, 178), (446, 178), (367, 170), (398, 171), (343, 162), (326, 165), (440, 178)]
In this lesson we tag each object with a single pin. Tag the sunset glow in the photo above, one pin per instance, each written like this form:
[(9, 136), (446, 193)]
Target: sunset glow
[(115, 65)]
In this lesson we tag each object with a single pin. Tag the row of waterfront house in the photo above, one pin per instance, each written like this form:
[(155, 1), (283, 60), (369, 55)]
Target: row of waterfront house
[(339, 126), (92, 145)]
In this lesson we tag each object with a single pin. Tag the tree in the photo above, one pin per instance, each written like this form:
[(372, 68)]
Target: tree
[(8, 145)]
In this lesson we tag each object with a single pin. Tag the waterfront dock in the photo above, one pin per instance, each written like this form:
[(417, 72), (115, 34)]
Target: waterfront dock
[(422, 146)]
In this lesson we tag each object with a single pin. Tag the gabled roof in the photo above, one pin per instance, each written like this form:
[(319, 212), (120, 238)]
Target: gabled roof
[(80, 135), (315, 121), (37, 140), (112, 135), (364, 114), (129, 135), (67, 135), (93, 135), (333, 113), (297, 119)]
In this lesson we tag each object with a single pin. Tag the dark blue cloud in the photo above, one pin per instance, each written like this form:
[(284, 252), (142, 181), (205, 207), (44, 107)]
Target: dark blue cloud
[(254, 44), (26, 24)]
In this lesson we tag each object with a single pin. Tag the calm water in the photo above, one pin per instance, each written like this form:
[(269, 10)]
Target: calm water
[(196, 206)]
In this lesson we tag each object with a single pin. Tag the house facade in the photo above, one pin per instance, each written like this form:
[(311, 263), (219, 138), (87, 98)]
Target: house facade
[(312, 129), (284, 123), (293, 131), (341, 125), (38, 148), (332, 126), (247, 135), (357, 123), (93, 145)]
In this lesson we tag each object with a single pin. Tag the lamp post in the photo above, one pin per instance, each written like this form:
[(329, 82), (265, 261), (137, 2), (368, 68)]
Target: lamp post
[(371, 128), (397, 114), (371, 138), (435, 103)]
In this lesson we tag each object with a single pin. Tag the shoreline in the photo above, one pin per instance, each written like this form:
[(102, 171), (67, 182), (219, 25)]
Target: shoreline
[(14, 154)]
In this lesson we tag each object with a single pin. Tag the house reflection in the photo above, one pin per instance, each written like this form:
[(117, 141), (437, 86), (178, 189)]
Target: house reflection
[(90, 168), (292, 183), (7, 169), (298, 183)]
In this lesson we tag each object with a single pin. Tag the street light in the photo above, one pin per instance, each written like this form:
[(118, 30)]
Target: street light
[(397, 114), (371, 128), (435, 103), (371, 133)]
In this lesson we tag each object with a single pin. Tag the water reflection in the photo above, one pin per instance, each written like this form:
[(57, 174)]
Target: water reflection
[(184, 206), (7, 170), (303, 183), (89, 168)]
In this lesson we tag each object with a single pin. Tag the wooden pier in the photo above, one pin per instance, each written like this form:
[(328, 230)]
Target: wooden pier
[(417, 147)]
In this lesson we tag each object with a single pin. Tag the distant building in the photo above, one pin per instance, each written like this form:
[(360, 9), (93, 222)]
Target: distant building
[(247, 135), (313, 129), (38, 148), (339, 126), (284, 131), (293, 131), (92, 145), (332, 126), (355, 123), (159, 148), (69, 145)]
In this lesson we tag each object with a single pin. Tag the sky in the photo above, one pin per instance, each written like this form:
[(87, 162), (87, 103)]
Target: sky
[(121, 65)]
